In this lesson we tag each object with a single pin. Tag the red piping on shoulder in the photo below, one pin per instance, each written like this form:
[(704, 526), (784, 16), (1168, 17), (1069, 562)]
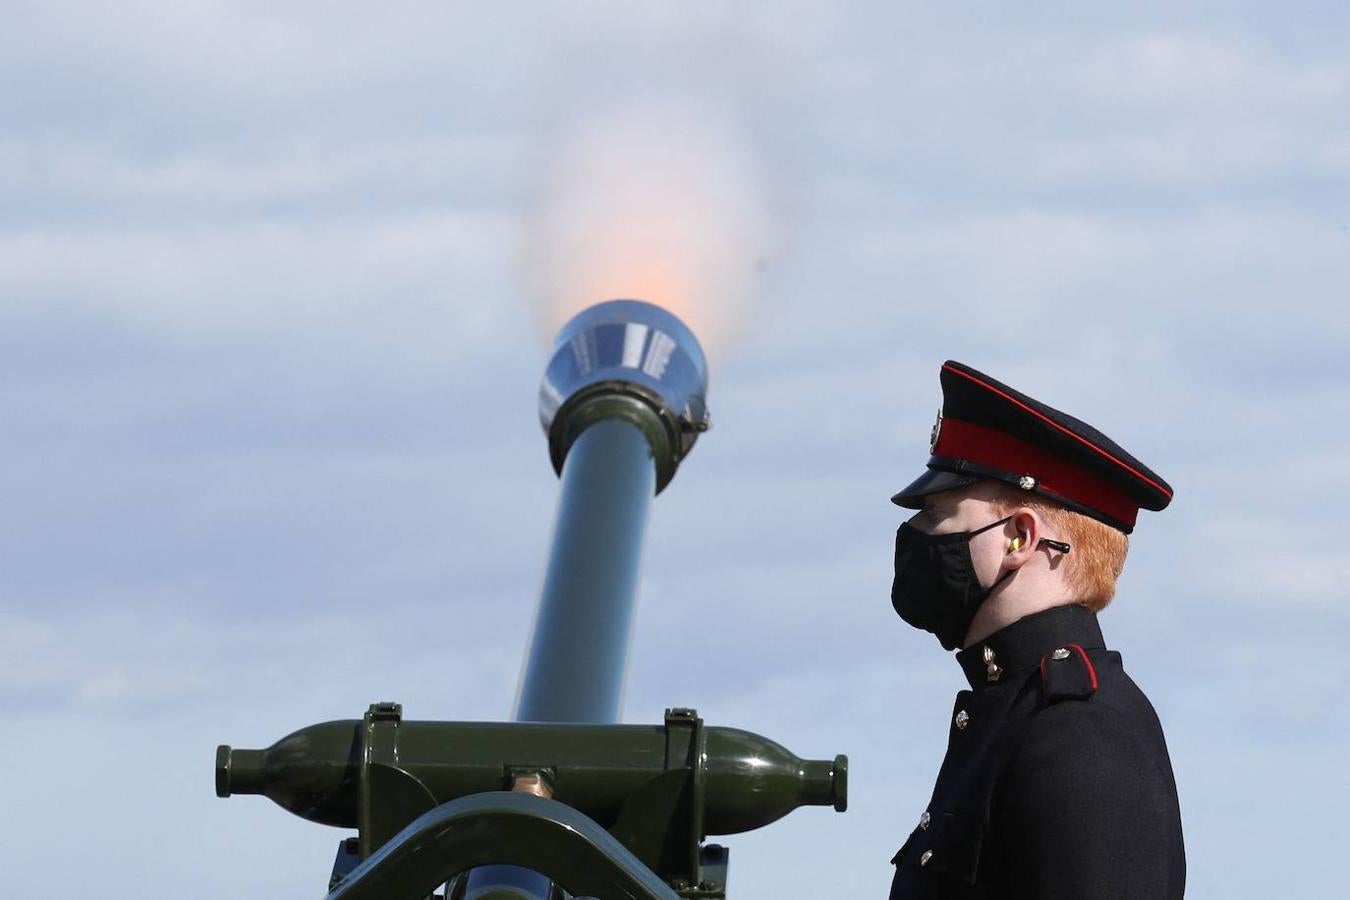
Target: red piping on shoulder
[(1092, 672)]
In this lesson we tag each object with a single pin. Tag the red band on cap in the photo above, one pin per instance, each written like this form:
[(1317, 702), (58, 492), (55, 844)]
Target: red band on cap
[(999, 450), (1166, 491)]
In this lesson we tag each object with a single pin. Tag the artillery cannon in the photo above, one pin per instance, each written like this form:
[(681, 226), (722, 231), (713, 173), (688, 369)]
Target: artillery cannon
[(564, 801)]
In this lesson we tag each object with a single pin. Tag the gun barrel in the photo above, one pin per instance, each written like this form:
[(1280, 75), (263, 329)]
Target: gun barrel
[(578, 651), (622, 400)]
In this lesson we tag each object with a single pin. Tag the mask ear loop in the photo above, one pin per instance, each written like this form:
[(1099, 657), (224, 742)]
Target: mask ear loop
[(990, 525), (1053, 544), (1061, 546), (1006, 575)]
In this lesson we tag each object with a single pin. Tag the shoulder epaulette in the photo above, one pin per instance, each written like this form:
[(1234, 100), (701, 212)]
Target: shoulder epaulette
[(1067, 674)]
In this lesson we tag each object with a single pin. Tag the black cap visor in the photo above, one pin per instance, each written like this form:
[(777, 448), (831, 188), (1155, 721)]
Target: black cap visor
[(932, 481)]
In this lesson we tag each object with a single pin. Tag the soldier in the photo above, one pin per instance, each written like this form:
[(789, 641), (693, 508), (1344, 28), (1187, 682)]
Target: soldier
[(1056, 782)]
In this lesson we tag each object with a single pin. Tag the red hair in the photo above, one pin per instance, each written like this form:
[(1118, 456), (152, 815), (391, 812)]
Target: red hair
[(1098, 551)]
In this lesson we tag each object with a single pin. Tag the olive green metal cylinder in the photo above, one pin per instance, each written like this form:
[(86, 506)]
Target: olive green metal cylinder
[(748, 780)]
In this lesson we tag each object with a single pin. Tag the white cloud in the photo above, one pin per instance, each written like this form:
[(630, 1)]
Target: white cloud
[(1194, 68), (251, 482), (1184, 109), (1294, 578), (433, 170), (131, 661), (363, 276)]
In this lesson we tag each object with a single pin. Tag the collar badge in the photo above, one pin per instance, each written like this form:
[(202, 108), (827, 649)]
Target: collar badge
[(992, 670)]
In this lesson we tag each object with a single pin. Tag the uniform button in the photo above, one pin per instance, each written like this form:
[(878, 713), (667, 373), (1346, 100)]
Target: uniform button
[(927, 855), (1061, 653), (924, 820), (962, 720)]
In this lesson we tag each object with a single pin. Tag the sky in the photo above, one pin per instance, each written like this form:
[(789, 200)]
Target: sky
[(270, 348)]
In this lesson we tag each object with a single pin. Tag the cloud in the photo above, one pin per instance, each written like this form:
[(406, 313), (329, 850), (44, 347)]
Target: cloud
[(100, 181), (267, 386), (1182, 109), (362, 277), (130, 661)]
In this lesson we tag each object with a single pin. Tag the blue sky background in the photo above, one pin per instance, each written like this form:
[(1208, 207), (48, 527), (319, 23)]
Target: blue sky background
[(268, 445)]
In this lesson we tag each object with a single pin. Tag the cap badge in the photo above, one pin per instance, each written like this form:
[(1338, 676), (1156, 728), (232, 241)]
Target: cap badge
[(937, 430), (1027, 483)]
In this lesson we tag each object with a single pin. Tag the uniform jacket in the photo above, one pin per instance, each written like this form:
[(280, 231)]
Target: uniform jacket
[(1056, 783)]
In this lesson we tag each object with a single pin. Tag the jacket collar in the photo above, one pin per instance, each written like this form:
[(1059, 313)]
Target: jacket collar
[(1019, 647)]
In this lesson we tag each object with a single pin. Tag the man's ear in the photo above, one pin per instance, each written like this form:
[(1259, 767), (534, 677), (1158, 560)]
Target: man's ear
[(1026, 534)]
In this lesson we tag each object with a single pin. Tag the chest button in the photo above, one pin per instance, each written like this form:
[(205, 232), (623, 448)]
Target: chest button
[(962, 720), (927, 855), (924, 820)]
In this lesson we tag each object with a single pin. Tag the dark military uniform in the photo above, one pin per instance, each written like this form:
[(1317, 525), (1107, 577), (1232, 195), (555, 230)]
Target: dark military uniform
[(1056, 782)]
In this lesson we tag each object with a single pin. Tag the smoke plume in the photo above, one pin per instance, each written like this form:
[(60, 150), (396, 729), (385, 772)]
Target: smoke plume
[(657, 202)]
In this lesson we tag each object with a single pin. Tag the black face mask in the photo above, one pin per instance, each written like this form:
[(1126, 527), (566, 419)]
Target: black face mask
[(935, 585)]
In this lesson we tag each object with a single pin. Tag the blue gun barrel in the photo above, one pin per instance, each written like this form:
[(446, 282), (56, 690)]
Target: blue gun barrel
[(623, 400)]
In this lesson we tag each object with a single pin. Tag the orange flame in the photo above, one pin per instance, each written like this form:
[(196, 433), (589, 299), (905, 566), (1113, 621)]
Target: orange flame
[(654, 203)]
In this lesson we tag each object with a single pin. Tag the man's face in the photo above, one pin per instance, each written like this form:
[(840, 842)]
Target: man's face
[(968, 509)]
